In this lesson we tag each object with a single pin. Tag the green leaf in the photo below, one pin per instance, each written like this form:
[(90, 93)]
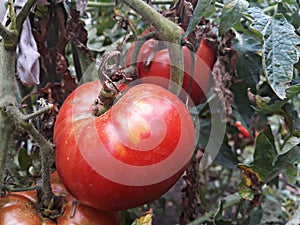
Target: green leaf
[(264, 156), (248, 64), (272, 210), (245, 192), (267, 162), (255, 216), (232, 13), (272, 109), (289, 145), (200, 10), (248, 68), (293, 91), (291, 174), (226, 157), (24, 159), (276, 107), (279, 48), (295, 218)]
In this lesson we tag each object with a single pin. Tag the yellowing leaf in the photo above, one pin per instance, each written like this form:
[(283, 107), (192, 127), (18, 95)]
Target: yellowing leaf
[(145, 218)]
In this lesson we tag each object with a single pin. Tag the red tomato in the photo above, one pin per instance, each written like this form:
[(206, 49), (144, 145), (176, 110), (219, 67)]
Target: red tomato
[(207, 52), (17, 209), (130, 155), (244, 133), (20, 209), (152, 63)]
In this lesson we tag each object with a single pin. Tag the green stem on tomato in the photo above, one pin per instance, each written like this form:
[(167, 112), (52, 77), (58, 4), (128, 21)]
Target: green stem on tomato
[(170, 32)]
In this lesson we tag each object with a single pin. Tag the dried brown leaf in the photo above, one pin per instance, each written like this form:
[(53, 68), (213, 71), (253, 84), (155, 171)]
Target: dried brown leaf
[(224, 72)]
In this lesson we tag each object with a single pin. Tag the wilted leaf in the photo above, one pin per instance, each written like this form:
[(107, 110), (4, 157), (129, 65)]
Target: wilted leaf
[(145, 219), (250, 184), (199, 11), (279, 48), (232, 12)]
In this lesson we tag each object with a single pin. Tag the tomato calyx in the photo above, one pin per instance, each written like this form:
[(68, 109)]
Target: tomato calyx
[(112, 79)]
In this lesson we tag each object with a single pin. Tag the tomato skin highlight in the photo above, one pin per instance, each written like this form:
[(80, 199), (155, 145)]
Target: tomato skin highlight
[(132, 169)]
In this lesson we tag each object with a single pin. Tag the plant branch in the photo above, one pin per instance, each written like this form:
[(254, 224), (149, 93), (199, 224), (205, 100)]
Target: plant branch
[(39, 112), (7, 92), (45, 147), (168, 30), (5, 33), (6, 130), (21, 189), (22, 15), (209, 215)]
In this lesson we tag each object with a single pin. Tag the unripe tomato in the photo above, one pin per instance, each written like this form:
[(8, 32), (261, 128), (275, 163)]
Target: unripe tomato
[(156, 63), (130, 155)]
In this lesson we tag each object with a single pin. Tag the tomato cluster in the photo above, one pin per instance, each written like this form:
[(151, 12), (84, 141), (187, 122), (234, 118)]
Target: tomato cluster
[(134, 152), (153, 63), (20, 209)]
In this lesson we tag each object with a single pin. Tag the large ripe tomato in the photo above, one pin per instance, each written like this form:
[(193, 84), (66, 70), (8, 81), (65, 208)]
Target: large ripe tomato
[(156, 63), (17, 209), (20, 209), (130, 155)]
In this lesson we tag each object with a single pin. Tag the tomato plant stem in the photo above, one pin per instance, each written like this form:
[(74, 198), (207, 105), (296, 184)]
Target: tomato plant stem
[(209, 216), (170, 32), (7, 91), (10, 115)]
